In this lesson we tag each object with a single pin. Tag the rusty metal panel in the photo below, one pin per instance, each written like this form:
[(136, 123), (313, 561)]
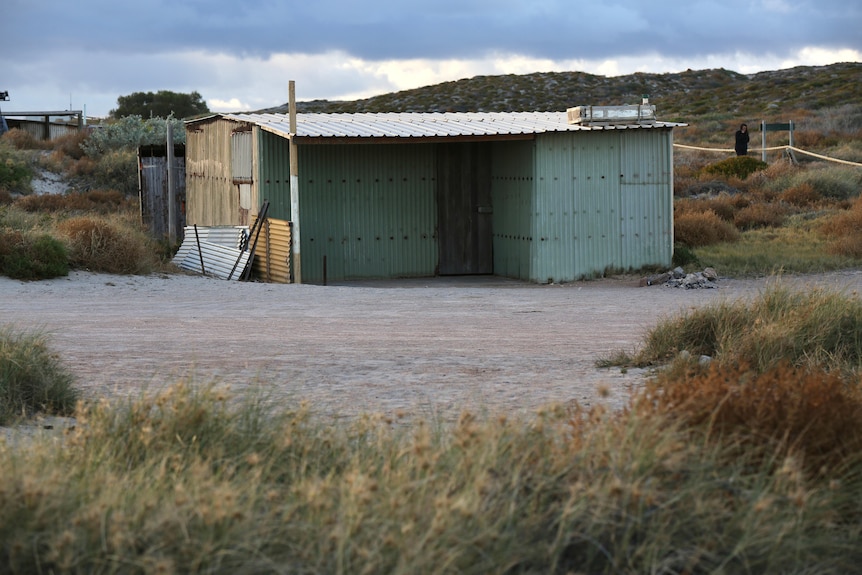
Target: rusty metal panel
[(212, 196), (272, 253)]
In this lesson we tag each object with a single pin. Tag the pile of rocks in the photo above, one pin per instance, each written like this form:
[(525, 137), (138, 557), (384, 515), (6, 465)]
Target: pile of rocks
[(679, 279)]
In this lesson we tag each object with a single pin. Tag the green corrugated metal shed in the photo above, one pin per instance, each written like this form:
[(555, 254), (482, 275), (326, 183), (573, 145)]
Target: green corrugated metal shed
[(534, 203)]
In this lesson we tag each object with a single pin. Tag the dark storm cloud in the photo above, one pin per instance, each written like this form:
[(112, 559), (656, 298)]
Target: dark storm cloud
[(443, 29), (55, 53)]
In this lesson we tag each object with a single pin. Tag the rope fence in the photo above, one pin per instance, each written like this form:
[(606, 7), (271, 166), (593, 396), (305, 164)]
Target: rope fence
[(774, 148)]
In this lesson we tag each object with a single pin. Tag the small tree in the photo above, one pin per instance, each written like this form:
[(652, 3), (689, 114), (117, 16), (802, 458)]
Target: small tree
[(161, 104)]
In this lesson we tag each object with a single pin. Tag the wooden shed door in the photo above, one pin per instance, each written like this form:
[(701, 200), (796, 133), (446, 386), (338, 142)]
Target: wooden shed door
[(464, 213)]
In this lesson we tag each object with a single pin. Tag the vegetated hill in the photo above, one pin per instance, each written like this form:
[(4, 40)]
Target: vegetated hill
[(716, 93)]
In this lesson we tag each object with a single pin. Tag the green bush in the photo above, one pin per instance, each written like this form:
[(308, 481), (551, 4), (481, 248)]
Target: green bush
[(738, 166), (130, 132), (32, 379), (117, 170), (828, 181), (834, 182), (15, 173), (683, 255), (29, 257)]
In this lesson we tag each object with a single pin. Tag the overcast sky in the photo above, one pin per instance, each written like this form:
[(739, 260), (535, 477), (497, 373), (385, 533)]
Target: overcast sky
[(240, 55)]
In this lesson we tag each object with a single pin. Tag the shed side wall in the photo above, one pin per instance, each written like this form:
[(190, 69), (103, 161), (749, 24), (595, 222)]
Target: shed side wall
[(369, 210), (511, 198), (212, 198), (647, 198), (602, 202)]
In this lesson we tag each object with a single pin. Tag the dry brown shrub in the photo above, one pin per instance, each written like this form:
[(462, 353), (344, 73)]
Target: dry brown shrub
[(8, 240), (55, 161), (849, 245), (70, 145), (775, 172), (845, 231), (803, 196), (42, 203), (740, 201), (5, 196), (796, 411), (808, 139), (99, 245), (760, 215), (723, 206), (23, 140), (84, 167), (696, 229), (96, 201), (682, 182)]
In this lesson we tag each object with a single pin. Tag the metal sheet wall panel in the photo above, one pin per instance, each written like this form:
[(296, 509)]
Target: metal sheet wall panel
[(647, 198), (37, 128), (369, 211), (212, 198), (273, 182), (512, 184), (576, 209), (241, 155)]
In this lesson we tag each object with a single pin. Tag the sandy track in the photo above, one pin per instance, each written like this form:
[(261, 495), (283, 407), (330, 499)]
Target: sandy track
[(427, 347)]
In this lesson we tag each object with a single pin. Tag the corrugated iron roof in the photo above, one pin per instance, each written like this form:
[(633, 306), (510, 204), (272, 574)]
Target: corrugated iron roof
[(425, 125)]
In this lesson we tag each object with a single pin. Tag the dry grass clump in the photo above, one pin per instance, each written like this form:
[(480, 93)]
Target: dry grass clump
[(695, 228), (814, 328), (32, 377), (101, 201), (808, 414), (189, 480), (110, 246), (845, 231)]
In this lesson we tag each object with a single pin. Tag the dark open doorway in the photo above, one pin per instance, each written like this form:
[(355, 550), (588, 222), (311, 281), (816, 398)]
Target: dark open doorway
[(464, 212)]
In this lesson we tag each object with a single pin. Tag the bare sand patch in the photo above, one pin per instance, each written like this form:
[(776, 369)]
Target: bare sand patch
[(429, 347)]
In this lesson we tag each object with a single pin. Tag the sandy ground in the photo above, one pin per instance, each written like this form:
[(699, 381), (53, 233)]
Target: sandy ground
[(426, 347)]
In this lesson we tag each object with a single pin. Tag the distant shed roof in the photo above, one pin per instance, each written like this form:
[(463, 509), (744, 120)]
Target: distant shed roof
[(313, 127)]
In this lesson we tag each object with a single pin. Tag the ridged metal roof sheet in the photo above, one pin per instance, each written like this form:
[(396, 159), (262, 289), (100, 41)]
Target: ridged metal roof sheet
[(425, 125)]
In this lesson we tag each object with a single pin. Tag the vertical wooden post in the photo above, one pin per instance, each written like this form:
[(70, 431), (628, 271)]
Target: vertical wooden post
[(294, 185), (172, 192), (763, 138)]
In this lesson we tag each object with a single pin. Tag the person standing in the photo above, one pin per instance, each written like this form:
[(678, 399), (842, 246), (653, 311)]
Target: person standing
[(741, 146)]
